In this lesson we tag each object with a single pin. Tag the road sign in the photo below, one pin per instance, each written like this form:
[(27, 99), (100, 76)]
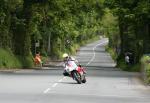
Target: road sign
[(37, 44)]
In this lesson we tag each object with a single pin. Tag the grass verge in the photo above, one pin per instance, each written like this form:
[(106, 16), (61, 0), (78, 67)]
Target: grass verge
[(121, 62), (145, 68), (10, 61)]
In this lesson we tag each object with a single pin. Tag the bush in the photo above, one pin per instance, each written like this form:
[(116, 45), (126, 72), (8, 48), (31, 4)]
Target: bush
[(145, 68), (112, 52), (9, 60), (121, 62), (131, 67), (26, 61)]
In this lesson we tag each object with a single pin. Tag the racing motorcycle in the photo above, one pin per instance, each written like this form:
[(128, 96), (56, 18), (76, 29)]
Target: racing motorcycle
[(77, 74)]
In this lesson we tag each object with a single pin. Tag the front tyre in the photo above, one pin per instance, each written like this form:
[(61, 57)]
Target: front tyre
[(77, 77)]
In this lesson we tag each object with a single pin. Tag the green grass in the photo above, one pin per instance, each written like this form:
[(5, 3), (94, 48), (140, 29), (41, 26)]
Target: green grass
[(126, 67), (145, 68), (112, 52), (26, 61), (8, 60), (121, 62)]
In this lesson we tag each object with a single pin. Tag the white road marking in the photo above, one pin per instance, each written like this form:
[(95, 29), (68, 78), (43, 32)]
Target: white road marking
[(48, 89), (61, 79), (94, 51), (53, 86)]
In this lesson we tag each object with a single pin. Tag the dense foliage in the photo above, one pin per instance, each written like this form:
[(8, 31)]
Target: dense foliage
[(47, 26), (53, 27), (133, 18), (145, 68)]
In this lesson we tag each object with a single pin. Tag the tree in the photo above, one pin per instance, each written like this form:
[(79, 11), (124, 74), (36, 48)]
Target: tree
[(133, 17)]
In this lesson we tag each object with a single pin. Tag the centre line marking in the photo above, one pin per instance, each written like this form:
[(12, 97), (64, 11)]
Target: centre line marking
[(94, 51), (54, 85), (61, 79), (47, 90)]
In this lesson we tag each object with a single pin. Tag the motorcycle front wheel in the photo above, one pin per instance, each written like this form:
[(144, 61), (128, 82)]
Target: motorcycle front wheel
[(77, 77)]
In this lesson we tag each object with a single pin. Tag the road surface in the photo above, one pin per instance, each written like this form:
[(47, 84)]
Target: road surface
[(105, 83)]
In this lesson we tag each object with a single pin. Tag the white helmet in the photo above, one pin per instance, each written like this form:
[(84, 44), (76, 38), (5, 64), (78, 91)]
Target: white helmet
[(65, 55)]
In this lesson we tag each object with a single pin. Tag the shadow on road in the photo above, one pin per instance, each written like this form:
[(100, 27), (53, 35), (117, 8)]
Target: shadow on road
[(68, 82)]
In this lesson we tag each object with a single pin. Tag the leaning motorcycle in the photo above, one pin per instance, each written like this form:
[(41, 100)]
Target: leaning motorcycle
[(77, 74)]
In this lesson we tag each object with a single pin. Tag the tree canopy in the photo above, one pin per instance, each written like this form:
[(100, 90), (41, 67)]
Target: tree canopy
[(53, 27), (48, 26), (134, 26)]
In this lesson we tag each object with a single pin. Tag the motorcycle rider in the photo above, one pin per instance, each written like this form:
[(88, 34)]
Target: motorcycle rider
[(73, 70), (69, 62)]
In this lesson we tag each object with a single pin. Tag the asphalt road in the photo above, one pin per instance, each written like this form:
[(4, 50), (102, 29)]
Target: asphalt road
[(105, 83)]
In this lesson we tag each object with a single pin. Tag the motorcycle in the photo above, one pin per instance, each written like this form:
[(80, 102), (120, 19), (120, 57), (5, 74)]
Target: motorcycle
[(77, 74)]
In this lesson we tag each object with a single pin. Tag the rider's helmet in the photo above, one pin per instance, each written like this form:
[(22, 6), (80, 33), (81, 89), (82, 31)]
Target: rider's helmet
[(65, 55)]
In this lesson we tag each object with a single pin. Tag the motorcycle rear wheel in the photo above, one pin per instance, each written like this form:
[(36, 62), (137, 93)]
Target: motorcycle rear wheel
[(84, 80)]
